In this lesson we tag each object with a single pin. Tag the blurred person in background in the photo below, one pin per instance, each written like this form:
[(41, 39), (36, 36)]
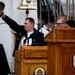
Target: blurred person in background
[(70, 24), (60, 22), (47, 27)]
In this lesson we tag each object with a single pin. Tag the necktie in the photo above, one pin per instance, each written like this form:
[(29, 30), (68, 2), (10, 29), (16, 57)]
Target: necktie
[(26, 41), (47, 29)]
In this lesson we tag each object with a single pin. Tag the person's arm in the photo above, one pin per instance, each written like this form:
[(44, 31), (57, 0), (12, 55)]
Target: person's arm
[(12, 24)]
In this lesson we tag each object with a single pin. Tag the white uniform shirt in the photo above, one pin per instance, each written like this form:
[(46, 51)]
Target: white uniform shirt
[(23, 38), (44, 30)]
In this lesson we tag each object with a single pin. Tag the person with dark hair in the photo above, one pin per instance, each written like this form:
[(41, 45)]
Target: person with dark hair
[(70, 23), (27, 34), (47, 27)]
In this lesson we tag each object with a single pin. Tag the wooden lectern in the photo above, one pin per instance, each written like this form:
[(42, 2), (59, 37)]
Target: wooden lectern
[(31, 60), (61, 51)]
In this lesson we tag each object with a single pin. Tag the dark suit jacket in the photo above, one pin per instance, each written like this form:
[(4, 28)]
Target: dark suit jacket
[(4, 67), (37, 37)]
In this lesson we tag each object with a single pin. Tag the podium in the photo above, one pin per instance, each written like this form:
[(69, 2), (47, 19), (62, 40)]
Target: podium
[(31, 60), (61, 51)]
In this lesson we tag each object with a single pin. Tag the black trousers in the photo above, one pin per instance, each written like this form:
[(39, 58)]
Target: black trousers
[(4, 67)]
